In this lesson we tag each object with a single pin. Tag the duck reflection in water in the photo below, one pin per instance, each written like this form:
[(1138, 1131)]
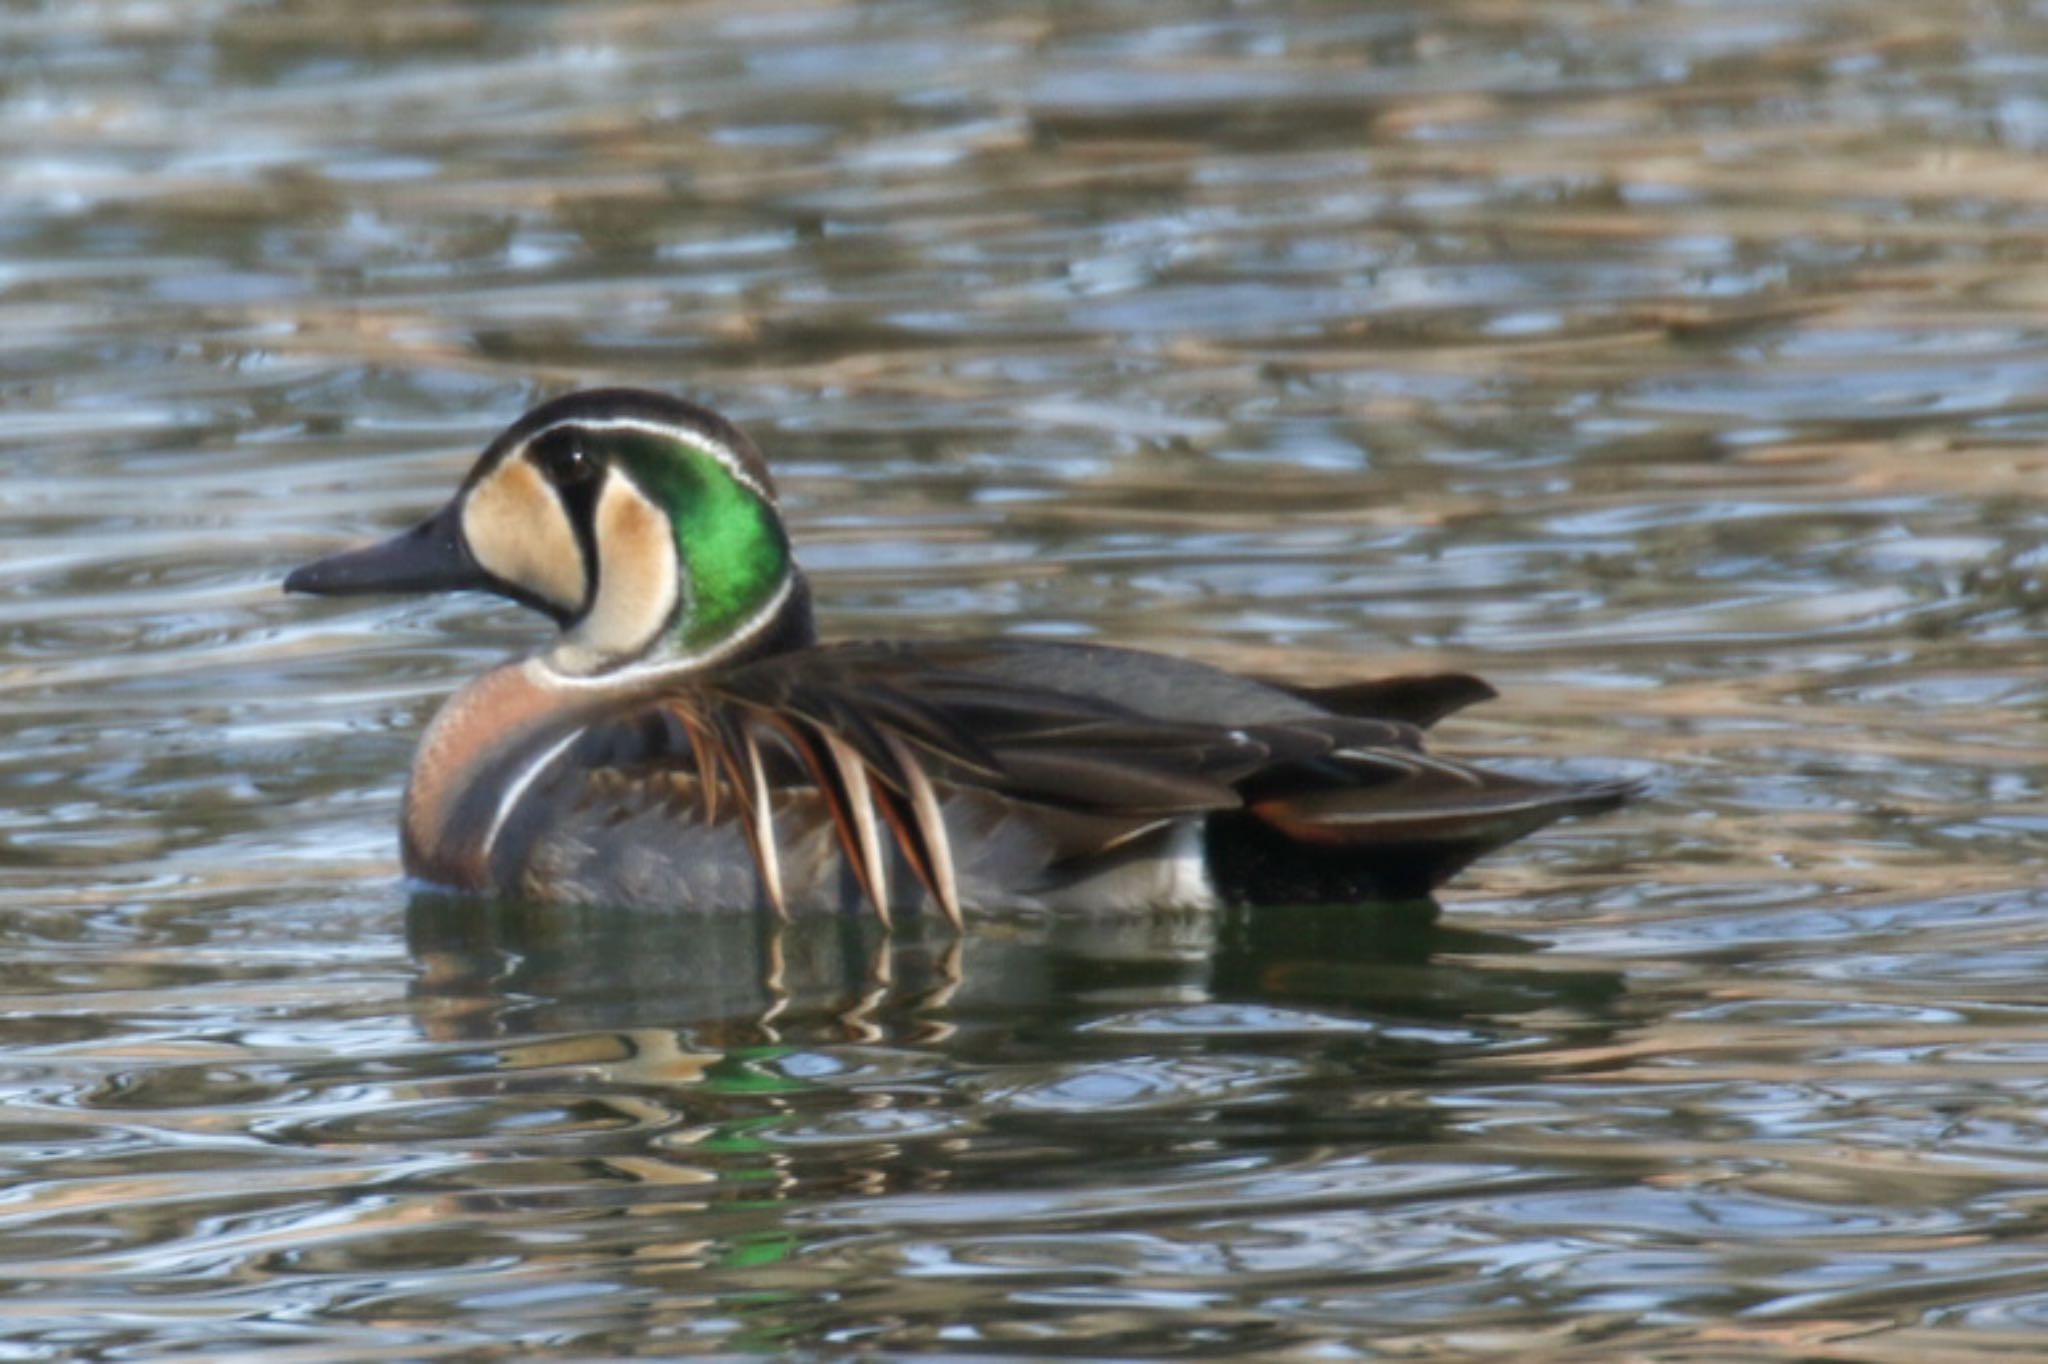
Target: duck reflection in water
[(748, 1101), (509, 968)]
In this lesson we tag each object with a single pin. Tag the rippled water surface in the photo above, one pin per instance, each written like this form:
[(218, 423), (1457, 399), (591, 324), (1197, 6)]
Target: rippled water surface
[(1682, 367)]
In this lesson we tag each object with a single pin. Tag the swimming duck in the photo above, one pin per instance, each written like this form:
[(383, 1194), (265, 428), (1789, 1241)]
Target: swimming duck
[(685, 740)]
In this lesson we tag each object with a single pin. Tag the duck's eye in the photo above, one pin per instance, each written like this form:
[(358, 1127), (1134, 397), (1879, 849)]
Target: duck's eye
[(565, 459)]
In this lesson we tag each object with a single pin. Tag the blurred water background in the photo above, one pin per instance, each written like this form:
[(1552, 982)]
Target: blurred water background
[(1681, 367)]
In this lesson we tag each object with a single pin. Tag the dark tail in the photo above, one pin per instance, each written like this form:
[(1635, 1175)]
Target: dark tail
[(1389, 841)]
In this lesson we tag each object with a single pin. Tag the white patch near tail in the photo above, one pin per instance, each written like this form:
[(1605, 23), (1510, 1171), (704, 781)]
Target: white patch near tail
[(1174, 875)]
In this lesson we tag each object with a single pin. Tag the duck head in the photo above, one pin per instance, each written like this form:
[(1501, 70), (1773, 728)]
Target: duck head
[(643, 525)]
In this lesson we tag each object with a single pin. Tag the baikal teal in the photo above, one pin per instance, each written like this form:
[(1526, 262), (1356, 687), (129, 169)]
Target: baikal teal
[(686, 741)]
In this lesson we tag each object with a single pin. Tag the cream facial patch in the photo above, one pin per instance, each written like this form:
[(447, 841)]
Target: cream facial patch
[(518, 531), (638, 579)]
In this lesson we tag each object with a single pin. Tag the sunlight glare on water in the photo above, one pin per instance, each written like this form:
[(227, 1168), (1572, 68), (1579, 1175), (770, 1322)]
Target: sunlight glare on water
[(1679, 367)]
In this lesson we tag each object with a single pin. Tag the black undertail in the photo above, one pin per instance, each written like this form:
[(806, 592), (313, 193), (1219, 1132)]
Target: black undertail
[(1251, 862)]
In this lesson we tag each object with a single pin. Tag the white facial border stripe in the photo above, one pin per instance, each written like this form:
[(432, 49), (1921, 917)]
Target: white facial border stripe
[(636, 676), (689, 435)]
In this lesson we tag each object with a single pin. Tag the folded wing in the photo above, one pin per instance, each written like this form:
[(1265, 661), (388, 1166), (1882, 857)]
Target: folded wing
[(1305, 793)]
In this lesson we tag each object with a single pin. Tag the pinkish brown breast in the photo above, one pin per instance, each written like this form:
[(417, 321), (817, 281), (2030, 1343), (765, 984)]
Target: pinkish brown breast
[(491, 713)]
